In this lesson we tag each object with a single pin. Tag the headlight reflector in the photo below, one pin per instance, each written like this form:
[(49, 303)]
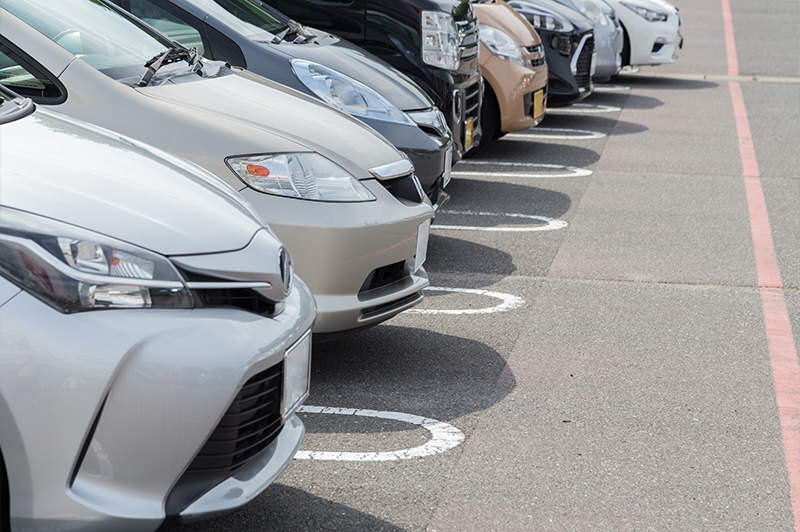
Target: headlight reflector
[(299, 175), (73, 269), (440, 40), (647, 14), (502, 45), (346, 93)]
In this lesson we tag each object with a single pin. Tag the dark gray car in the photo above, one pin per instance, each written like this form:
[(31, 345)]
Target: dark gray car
[(252, 35)]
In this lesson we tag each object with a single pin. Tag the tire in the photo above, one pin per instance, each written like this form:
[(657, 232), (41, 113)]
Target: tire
[(5, 507), (490, 121), (626, 48)]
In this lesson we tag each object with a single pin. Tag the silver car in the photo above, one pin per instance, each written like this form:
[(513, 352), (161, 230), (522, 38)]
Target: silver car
[(343, 200), (151, 357)]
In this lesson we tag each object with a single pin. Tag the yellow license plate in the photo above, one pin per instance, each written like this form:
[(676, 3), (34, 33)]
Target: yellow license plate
[(468, 135), (538, 103)]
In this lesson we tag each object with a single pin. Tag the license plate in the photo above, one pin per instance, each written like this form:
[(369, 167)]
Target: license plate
[(468, 135), (422, 244), (448, 167), (538, 103)]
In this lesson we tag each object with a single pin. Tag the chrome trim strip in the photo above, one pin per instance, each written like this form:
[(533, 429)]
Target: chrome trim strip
[(573, 64), (392, 170), (199, 285)]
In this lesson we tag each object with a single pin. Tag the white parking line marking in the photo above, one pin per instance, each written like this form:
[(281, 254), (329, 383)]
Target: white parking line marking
[(509, 302), (566, 171), (550, 224), (443, 437), (583, 108), (611, 88), (555, 133)]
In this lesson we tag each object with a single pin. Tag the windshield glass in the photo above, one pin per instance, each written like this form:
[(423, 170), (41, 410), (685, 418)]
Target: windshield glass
[(245, 17), (108, 39)]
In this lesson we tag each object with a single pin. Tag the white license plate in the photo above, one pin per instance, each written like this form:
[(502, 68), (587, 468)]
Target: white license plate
[(422, 244), (448, 167)]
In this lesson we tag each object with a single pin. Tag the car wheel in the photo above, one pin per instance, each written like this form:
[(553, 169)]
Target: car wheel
[(626, 48), (5, 508), (490, 121)]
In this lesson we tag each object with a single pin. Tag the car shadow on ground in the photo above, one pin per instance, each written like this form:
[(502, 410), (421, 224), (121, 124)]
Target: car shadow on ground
[(534, 151), (410, 370), (663, 83), (456, 255), (471, 194), (276, 510)]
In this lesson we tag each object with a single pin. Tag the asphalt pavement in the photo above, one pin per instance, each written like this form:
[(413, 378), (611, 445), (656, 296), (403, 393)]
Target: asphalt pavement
[(593, 353)]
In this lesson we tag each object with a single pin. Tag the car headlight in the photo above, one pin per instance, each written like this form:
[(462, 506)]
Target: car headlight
[(647, 14), (541, 19), (502, 45), (299, 175), (73, 269), (591, 10), (346, 93), (440, 40)]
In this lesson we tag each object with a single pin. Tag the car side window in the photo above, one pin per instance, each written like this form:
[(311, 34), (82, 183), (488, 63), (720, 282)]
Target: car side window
[(24, 77), (176, 28)]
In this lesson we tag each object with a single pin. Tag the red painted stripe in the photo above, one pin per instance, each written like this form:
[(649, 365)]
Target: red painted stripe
[(782, 349), (730, 44)]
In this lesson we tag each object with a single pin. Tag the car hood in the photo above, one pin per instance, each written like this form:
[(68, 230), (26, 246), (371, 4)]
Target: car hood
[(256, 102), (69, 171), (576, 18), (347, 58)]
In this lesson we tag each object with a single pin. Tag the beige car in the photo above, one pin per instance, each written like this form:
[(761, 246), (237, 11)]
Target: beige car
[(342, 199), (514, 69)]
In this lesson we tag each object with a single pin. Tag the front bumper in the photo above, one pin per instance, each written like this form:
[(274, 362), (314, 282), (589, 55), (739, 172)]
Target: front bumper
[(652, 43), (102, 412), (565, 87), (357, 258), (514, 87), (608, 43)]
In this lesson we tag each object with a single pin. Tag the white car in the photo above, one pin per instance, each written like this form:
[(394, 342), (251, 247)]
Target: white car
[(652, 31)]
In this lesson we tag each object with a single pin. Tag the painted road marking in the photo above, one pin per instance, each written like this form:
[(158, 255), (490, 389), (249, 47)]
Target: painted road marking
[(547, 171), (611, 88), (508, 302), (782, 349), (583, 108), (549, 224), (443, 437), (555, 133)]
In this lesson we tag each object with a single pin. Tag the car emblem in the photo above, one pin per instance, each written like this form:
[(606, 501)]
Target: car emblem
[(287, 271)]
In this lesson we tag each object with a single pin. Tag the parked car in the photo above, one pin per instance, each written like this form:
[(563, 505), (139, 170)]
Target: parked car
[(569, 48), (343, 200), (608, 35), (514, 70), (652, 31), (257, 37), (136, 331), (434, 42)]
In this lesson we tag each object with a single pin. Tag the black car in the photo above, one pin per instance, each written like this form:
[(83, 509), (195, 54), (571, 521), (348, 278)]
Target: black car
[(257, 37), (434, 42), (569, 48)]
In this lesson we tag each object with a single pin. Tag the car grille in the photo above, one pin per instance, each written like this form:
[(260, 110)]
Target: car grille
[(385, 275), (252, 422), (583, 76), (241, 298), (538, 49), (468, 31)]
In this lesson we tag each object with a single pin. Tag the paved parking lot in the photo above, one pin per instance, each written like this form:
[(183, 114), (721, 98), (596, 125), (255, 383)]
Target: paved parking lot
[(593, 353)]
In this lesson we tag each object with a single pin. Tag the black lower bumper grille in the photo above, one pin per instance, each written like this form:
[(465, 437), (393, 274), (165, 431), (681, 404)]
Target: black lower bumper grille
[(385, 275), (583, 76), (252, 422)]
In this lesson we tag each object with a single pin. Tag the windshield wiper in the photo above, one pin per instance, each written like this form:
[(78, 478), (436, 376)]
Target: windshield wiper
[(170, 55), (294, 33)]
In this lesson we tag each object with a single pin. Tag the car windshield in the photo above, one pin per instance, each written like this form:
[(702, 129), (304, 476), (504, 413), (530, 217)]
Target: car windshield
[(106, 38), (246, 18)]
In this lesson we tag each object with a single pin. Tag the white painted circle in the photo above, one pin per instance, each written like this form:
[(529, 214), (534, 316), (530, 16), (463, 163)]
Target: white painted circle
[(550, 224), (583, 108), (443, 437), (611, 88), (548, 171), (555, 133), (508, 302)]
